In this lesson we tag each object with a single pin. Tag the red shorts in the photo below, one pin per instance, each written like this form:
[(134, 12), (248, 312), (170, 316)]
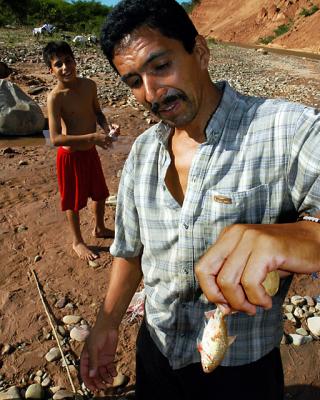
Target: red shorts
[(80, 176)]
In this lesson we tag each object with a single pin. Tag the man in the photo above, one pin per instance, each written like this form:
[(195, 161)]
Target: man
[(222, 170)]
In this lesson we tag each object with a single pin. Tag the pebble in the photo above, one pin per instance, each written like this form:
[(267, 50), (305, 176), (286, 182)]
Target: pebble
[(301, 331), (298, 300), (63, 394), (61, 302), (6, 349), (80, 333), (120, 380), (71, 319), (46, 382), (93, 264), (37, 258), (314, 325), (10, 394), (298, 340), (34, 391), (53, 354)]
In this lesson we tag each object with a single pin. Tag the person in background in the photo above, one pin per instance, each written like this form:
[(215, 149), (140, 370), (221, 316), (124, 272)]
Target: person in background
[(73, 113), (222, 178)]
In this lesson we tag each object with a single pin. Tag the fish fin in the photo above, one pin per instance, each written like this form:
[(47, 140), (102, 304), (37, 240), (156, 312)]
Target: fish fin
[(231, 339), (209, 314)]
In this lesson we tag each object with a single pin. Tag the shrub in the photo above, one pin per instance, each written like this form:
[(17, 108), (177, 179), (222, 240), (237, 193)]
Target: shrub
[(306, 13), (282, 29)]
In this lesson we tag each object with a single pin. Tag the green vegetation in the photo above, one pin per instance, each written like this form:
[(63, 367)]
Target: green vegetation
[(282, 29), (189, 6), (306, 13), (78, 16), (75, 15)]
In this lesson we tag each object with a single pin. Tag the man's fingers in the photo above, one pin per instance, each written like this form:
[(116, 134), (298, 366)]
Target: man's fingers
[(252, 280), (84, 370)]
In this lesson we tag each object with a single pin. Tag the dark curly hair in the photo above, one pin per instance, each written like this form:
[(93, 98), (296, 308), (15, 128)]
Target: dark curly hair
[(166, 16), (54, 49)]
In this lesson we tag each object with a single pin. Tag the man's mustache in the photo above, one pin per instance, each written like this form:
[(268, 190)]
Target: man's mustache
[(171, 97)]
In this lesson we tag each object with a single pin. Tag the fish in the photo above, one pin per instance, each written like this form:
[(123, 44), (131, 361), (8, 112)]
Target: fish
[(215, 341)]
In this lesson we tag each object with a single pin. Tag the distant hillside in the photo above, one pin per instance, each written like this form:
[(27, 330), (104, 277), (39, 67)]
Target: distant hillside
[(291, 24)]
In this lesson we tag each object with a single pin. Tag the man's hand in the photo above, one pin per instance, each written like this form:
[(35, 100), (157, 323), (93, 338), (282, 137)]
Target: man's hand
[(231, 272), (97, 364)]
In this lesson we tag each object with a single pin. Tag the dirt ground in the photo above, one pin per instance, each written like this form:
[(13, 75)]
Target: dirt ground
[(34, 235)]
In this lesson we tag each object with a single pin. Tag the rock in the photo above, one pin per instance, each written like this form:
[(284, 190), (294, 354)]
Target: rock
[(120, 380), (301, 331), (314, 325), (299, 340), (111, 200), (53, 354), (298, 300), (46, 382), (289, 308), (21, 228), (79, 333), (10, 394), (23, 162), (34, 391), (19, 114), (37, 258), (310, 301), (36, 90), (54, 389), (290, 317), (299, 313), (93, 264), (71, 319), (62, 394), (6, 349), (61, 302)]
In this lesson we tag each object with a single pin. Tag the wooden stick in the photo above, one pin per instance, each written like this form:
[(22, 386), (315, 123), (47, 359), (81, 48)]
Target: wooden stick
[(54, 330)]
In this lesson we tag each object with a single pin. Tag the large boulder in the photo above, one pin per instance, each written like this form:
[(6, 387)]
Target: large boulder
[(19, 114)]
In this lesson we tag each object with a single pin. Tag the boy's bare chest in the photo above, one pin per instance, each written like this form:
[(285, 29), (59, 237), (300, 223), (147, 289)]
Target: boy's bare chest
[(76, 105)]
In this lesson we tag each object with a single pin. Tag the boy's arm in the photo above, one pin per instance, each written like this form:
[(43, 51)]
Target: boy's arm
[(55, 128), (110, 129)]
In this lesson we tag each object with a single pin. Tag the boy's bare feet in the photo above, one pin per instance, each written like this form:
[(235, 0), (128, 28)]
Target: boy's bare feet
[(84, 252), (103, 233)]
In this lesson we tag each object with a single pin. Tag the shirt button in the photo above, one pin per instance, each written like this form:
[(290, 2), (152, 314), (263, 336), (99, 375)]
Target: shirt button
[(186, 271), (186, 226)]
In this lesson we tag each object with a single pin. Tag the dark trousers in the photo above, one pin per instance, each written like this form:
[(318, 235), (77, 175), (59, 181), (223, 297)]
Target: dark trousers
[(156, 380)]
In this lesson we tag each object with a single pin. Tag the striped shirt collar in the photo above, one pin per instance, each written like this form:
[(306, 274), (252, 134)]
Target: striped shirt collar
[(217, 120)]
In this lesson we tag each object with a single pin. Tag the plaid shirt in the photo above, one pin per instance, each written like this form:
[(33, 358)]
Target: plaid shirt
[(260, 164)]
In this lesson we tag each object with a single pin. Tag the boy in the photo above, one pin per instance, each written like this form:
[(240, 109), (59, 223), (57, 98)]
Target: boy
[(73, 111)]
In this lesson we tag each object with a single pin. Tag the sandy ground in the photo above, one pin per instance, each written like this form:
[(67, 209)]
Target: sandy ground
[(34, 235)]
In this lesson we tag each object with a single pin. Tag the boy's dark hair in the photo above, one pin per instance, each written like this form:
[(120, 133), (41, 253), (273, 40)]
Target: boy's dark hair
[(55, 49), (166, 16)]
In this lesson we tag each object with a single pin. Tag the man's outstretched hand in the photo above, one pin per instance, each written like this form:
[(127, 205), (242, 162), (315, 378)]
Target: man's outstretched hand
[(97, 362), (232, 271)]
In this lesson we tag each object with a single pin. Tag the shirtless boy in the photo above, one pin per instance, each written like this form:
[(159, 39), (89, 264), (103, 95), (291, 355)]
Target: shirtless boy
[(73, 112)]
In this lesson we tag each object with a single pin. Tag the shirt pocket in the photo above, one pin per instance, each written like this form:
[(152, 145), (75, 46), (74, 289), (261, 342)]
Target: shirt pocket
[(222, 208)]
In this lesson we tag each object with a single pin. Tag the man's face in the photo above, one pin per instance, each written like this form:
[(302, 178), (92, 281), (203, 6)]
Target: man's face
[(63, 66), (162, 75)]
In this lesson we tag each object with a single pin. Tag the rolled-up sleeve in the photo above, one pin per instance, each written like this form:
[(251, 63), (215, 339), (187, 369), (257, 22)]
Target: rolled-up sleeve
[(304, 163), (127, 241)]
